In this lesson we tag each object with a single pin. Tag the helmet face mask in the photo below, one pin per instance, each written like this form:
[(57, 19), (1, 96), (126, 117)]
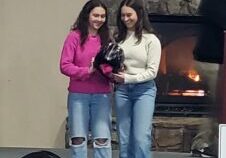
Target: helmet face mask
[(111, 51), (112, 55)]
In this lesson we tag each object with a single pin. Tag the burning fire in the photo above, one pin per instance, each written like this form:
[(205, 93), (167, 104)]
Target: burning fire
[(193, 75)]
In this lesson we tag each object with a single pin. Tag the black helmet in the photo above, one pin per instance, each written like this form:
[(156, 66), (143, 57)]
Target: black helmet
[(111, 55), (41, 154)]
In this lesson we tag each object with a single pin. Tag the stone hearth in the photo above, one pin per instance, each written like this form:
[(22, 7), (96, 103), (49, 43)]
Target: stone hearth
[(175, 133), (171, 133)]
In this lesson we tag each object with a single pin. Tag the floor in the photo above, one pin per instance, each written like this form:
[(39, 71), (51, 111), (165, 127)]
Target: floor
[(64, 153)]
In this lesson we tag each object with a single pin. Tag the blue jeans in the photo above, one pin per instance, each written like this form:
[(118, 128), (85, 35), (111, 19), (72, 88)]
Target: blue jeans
[(134, 111), (90, 111)]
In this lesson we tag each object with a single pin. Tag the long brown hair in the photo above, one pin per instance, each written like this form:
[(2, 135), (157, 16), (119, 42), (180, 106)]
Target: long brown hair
[(82, 22), (142, 22)]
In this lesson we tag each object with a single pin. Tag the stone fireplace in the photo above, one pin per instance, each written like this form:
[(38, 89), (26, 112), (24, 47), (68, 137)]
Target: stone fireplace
[(186, 87)]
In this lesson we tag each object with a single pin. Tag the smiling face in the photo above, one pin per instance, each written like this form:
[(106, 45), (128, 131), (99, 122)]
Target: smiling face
[(129, 17), (97, 17)]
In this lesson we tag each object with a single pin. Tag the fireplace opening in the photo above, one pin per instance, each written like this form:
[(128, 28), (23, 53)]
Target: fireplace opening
[(183, 87)]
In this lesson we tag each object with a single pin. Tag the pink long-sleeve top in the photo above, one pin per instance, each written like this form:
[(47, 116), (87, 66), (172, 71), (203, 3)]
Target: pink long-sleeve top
[(75, 62)]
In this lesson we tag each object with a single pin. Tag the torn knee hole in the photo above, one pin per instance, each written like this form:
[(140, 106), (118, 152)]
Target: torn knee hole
[(77, 140), (101, 141)]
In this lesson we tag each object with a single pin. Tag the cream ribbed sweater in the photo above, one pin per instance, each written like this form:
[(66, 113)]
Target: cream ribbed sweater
[(141, 60)]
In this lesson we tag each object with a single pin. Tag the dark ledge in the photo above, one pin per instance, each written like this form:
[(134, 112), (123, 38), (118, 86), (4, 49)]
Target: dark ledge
[(177, 18)]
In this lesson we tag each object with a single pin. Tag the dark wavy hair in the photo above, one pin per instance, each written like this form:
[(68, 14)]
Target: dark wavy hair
[(142, 22), (82, 22)]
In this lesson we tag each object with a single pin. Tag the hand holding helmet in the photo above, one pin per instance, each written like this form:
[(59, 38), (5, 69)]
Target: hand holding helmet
[(109, 60)]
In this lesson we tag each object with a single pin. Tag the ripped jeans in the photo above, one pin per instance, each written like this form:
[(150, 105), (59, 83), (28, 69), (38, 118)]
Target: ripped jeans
[(90, 111)]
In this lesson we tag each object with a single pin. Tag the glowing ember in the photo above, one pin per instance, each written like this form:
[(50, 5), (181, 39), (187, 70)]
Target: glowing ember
[(196, 93)]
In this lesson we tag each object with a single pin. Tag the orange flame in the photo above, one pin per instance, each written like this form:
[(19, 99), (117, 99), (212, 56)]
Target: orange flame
[(193, 75)]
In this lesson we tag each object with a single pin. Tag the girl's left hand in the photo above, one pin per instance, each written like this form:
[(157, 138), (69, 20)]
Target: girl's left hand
[(119, 78), (91, 67)]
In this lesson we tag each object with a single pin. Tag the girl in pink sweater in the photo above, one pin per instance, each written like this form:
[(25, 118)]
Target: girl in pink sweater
[(89, 91)]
